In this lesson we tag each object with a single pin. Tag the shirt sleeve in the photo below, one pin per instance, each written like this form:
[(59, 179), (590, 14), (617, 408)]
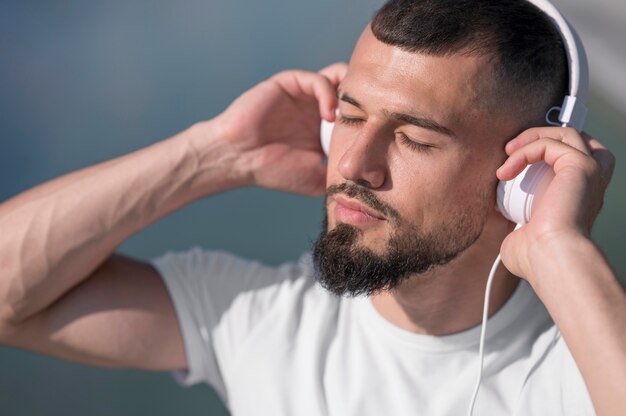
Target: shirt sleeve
[(218, 298)]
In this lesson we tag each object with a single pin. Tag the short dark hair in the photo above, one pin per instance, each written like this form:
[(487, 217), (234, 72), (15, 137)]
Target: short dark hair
[(528, 59)]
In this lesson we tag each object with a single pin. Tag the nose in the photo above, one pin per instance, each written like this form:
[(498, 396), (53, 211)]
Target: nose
[(364, 160)]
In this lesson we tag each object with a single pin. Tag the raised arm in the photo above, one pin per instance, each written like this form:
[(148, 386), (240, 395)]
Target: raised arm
[(57, 234), (64, 292), (555, 253)]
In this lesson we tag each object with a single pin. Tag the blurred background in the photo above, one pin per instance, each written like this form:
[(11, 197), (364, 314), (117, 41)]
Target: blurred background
[(83, 82)]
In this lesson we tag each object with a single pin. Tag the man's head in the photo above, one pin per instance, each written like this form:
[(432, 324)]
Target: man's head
[(433, 91)]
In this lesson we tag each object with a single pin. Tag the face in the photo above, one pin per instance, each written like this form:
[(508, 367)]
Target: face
[(411, 168)]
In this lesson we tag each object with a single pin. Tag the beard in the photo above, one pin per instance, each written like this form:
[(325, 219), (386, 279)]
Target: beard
[(346, 268)]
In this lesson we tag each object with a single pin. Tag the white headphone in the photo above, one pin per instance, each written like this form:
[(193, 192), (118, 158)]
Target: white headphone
[(515, 197)]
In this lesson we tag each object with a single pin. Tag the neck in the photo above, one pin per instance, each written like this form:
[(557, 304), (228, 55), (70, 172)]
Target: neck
[(450, 298)]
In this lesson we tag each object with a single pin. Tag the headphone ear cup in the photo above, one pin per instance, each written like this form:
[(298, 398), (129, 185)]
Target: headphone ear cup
[(516, 198), (326, 132)]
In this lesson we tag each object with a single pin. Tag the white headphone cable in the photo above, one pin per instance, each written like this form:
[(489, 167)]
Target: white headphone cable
[(483, 330)]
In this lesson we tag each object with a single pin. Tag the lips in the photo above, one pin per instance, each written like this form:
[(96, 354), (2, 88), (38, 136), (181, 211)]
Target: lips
[(348, 204)]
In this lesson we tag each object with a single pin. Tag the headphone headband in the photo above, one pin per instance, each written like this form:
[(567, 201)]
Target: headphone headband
[(573, 111)]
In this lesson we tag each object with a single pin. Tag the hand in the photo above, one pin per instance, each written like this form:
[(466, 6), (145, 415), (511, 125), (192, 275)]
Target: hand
[(275, 129), (583, 168)]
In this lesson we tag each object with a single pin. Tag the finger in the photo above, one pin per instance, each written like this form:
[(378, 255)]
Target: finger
[(546, 149), (298, 83), (335, 72), (566, 135), (606, 161), (602, 155), (592, 142), (326, 96), (588, 138)]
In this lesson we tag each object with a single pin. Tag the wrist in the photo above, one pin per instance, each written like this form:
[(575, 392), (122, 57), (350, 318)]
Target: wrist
[(216, 158), (555, 261)]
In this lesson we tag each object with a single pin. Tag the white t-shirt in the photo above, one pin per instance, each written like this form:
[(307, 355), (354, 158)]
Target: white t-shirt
[(271, 341)]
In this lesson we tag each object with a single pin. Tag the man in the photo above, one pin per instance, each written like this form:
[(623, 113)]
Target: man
[(433, 93)]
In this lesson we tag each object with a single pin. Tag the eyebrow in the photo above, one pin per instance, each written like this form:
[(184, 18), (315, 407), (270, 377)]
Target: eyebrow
[(423, 122)]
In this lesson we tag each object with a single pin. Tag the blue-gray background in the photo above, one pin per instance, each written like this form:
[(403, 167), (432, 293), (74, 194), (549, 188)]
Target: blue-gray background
[(82, 82)]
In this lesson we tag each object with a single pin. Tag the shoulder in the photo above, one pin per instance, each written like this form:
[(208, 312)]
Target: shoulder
[(228, 279)]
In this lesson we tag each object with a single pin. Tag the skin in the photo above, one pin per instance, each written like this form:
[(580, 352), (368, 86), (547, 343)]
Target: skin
[(65, 292), (426, 186)]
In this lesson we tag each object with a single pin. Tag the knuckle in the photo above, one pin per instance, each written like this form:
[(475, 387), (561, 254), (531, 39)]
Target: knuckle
[(547, 141), (281, 74), (570, 131), (299, 72), (287, 73), (532, 133), (591, 167)]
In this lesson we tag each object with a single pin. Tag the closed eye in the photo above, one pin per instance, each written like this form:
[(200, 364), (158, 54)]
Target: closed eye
[(404, 139), (349, 120), (412, 144)]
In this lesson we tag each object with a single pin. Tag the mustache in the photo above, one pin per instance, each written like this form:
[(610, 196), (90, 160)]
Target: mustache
[(365, 196)]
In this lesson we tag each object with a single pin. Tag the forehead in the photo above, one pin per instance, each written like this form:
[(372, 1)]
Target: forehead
[(446, 88)]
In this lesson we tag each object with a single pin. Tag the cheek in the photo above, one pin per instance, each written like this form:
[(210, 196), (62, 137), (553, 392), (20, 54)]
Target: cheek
[(435, 192), (471, 188)]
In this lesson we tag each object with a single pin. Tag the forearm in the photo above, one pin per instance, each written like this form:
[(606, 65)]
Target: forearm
[(56, 234), (588, 304)]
